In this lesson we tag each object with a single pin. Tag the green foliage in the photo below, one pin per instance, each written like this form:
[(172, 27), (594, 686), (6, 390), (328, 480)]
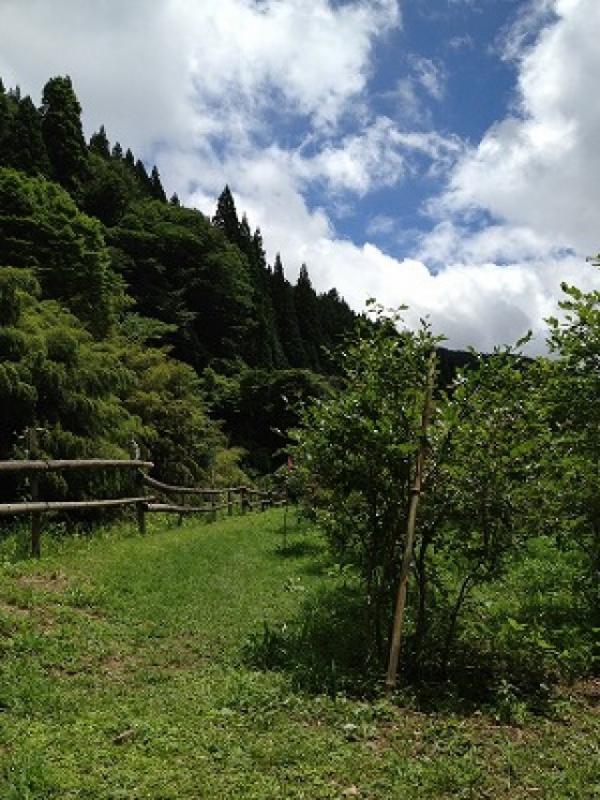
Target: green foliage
[(182, 271), (92, 397), (573, 415), (42, 228), (356, 452), (63, 134), (489, 487), (259, 407)]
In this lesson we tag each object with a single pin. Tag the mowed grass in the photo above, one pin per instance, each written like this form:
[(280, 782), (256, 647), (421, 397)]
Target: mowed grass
[(122, 676)]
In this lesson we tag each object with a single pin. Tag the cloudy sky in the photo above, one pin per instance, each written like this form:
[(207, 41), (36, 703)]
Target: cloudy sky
[(441, 154)]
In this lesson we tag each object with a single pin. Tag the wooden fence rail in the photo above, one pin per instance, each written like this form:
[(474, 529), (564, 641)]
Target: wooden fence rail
[(143, 503), (213, 495)]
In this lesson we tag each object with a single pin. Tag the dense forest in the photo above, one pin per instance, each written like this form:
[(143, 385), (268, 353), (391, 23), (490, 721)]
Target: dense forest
[(126, 316)]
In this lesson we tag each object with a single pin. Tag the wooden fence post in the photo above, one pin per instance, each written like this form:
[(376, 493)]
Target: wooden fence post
[(229, 503), (140, 507), (180, 517), (34, 485), (243, 499), (213, 505)]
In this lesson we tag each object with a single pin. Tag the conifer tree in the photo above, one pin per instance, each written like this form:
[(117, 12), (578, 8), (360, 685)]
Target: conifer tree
[(156, 187), (5, 117), (99, 143), (63, 133), (286, 317), (174, 200), (142, 176), (226, 217), (117, 151), (28, 151), (129, 159), (307, 309)]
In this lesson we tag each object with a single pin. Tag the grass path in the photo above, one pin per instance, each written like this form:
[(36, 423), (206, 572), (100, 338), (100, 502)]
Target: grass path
[(121, 677)]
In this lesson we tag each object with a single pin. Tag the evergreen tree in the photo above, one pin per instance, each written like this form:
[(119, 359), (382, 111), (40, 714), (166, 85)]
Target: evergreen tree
[(286, 317), (143, 177), (129, 159), (5, 120), (337, 320), (156, 187), (226, 217), (174, 200), (117, 151), (63, 134), (107, 191), (99, 143), (307, 309), (27, 146), (271, 347)]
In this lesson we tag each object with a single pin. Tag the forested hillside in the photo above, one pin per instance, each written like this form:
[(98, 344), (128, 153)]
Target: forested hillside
[(126, 316)]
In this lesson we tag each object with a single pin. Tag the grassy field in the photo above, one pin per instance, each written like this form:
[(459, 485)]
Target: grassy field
[(122, 675)]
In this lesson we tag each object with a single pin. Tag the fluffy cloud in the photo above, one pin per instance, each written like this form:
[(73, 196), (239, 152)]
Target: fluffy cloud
[(171, 71), (539, 168), (206, 89)]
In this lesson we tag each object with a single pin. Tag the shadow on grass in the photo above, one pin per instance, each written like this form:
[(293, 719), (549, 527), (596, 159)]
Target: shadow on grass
[(299, 549), (325, 650), (328, 648)]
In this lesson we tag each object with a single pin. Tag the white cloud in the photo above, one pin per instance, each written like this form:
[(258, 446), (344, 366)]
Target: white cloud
[(540, 169), (424, 81), (430, 76), (197, 84), (381, 224), (378, 156), (171, 71)]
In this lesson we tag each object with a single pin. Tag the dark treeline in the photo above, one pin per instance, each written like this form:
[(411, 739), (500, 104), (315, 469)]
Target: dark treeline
[(126, 316)]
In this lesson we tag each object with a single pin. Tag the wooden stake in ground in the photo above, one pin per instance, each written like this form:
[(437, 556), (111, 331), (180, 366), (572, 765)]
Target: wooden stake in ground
[(34, 486), (392, 673)]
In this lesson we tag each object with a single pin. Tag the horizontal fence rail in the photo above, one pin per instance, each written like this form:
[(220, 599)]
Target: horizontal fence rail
[(215, 499), (7, 509), (50, 465)]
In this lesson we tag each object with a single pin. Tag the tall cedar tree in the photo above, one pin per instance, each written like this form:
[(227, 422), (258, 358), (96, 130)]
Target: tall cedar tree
[(27, 146), (286, 317), (266, 350), (226, 217), (156, 190), (63, 134), (99, 143), (307, 310), (4, 125)]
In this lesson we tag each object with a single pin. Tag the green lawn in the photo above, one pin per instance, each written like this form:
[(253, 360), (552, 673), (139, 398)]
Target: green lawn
[(122, 676)]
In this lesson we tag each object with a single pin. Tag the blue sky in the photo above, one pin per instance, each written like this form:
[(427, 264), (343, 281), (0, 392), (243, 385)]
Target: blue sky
[(435, 153)]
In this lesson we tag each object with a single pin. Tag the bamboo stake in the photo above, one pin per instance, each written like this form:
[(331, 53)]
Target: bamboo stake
[(392, 673), (34, 483)]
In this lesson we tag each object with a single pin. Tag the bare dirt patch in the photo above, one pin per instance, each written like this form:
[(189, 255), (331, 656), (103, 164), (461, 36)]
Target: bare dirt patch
[(55, 582), (14, 611)]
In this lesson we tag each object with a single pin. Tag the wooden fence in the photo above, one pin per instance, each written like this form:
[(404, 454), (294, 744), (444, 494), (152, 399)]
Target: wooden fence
[(214, 499)]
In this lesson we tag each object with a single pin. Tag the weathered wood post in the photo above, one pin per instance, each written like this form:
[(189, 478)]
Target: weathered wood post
[(140, 507), (213, 505), (229, 503), (180, 515), (243, 499), (285, 516), (34, 488)]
